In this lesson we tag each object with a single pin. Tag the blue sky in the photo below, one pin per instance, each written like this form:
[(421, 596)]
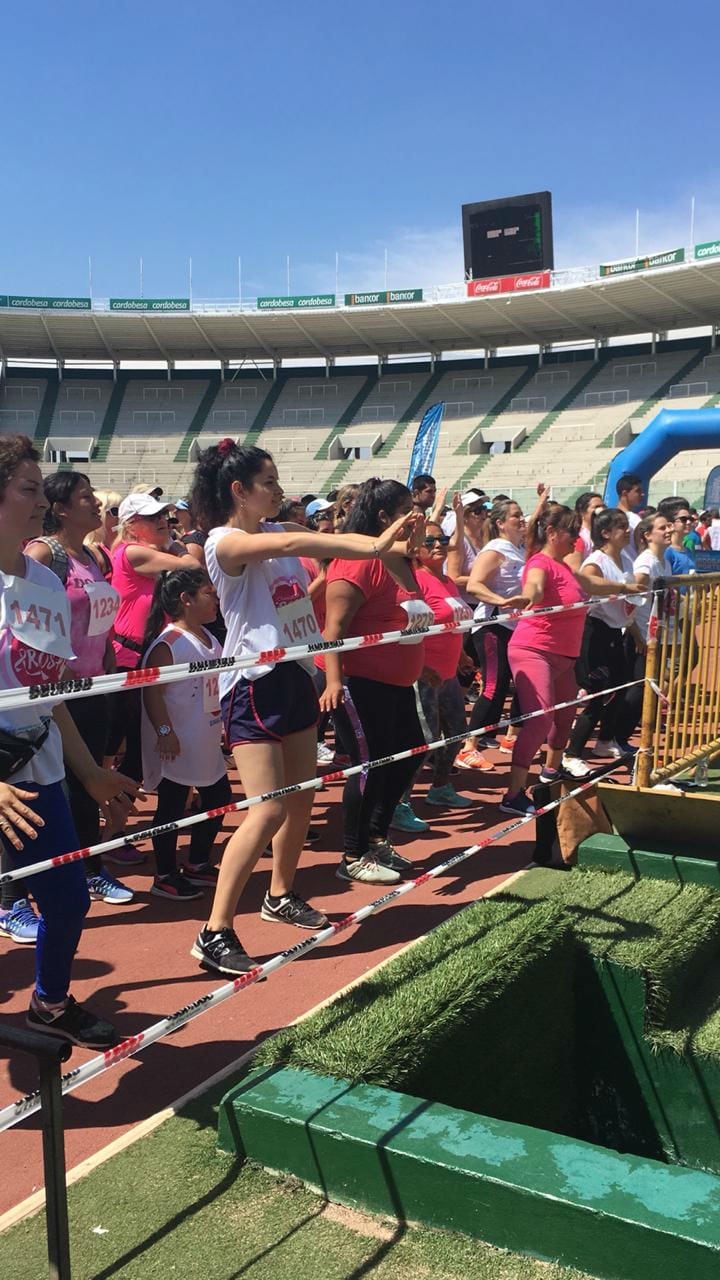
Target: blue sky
[(217, 129)]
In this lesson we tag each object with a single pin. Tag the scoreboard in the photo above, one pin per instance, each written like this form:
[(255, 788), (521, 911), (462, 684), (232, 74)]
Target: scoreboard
[(508, 237)]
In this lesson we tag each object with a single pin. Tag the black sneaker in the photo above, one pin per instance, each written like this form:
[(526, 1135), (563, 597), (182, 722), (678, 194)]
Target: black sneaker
[(222, 951), (389, 857), (74, 1023), (292, 909), (175, 886)]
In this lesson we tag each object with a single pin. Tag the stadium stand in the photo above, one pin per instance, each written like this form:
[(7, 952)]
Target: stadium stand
[(509, 420)]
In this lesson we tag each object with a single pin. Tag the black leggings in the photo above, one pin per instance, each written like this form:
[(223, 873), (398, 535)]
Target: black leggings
[(125, 717), (602, 664), (491, 654), (172, 798), (378, 720), (91, 716)]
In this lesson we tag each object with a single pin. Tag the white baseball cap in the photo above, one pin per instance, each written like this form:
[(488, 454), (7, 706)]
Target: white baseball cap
[(140, 504), (472, 497), (316, 506)]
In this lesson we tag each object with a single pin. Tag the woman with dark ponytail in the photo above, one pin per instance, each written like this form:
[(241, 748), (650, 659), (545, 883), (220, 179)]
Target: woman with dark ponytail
[(270, 710), (182, 728)]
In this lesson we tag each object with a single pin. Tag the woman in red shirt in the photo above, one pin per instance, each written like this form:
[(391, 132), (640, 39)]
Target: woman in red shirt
[(441, 696), (375, 713)]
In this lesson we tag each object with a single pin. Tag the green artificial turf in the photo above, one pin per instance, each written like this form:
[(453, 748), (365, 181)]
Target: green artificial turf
[(170, 1206), (670, 933), (467, 994)]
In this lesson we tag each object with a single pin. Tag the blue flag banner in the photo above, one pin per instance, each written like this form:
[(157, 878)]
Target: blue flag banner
[(712, 489), (426, 442)]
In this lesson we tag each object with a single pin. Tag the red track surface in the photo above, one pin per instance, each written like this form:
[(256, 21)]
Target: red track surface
[(134, 964)]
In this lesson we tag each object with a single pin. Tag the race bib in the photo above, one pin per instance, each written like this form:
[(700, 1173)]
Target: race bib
[(104, 605), (211, 693), (419, 617), (459, 609), (37, 617), (297, 622)]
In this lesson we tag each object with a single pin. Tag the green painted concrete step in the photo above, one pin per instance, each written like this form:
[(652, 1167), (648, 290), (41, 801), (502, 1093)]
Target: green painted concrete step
[(413, 408), (199, 418), (348, 416), (47, 409), (564, 403), (516, 1187), (109, 422), (263, 413), (481, 460)]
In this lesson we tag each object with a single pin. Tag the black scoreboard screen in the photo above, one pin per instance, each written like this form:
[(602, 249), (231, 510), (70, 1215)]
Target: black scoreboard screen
[(508, 237)]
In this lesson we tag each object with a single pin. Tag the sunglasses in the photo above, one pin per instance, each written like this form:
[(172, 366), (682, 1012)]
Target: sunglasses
[(684, 519), (113, 511), (439, 541)]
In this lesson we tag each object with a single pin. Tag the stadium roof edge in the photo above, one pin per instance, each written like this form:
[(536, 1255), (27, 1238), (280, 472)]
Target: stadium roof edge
[(654, 301)]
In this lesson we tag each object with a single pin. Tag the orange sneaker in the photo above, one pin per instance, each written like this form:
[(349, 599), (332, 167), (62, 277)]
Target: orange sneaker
[(505, 745), (470, 758)]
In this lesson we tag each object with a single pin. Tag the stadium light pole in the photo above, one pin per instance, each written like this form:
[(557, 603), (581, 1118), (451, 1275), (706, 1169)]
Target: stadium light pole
[(288, 276), (90, 276), (142, 295), (637, 233), (239, 267), (386, 269), (190, 279), (692, 221)]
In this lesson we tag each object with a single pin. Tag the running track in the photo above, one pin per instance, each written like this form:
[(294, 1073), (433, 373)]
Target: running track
[(134, 963)]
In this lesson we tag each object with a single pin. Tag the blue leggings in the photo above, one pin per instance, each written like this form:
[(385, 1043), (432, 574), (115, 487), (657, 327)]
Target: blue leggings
[(61, 894)]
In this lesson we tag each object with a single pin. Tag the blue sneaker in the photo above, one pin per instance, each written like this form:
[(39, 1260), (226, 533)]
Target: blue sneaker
[(520, 804), (104, 888), (446, 797), (20, 923), (404, 819)]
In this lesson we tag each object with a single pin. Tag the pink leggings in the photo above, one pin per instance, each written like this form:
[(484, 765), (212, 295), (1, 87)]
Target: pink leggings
[(541, 680)]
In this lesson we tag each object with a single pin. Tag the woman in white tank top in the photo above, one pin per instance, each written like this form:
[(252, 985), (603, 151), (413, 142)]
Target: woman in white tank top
[(270, 710)]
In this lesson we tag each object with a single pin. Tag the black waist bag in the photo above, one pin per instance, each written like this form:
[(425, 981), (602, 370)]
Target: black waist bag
[(16, 752)]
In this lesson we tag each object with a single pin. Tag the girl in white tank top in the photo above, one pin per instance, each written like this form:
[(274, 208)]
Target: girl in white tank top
[(182, 727)]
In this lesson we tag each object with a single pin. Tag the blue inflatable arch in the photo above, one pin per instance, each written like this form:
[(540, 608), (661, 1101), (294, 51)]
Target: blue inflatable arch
[(671, 432)]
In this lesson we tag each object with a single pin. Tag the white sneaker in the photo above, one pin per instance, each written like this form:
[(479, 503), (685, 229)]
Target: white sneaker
[(575, 768), (602, 750), (324, 754), (366, 870)]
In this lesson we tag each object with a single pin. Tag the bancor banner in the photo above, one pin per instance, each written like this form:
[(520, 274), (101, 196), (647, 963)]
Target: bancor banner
[(710, 249), (44, 304), (383, 298), (299, 301), (149, 304), (642, 264), (508, 284)]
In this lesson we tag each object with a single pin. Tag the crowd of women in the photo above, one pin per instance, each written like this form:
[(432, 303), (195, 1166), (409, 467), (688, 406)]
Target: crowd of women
[(93, 583)]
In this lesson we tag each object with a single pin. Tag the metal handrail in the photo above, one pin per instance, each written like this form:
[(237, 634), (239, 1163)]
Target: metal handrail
[(50, 1054)]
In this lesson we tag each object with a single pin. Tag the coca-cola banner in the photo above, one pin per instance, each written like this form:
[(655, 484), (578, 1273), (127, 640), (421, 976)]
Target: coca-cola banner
[(508, 284)]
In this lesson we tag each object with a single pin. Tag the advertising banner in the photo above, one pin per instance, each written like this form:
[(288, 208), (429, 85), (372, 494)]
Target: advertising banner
[(508, 284), (149, 304), (298, 302), (710, 249), (422, 458), (383, 298), (642, 264), (39, 303)]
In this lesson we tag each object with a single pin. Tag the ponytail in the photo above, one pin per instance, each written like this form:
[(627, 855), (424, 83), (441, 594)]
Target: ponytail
[(166, 603), (373, 497), (210, 493), (552, 516)]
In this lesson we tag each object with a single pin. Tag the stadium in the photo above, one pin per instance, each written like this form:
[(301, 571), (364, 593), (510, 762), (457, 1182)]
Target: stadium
[(563, 374), (359, 643)]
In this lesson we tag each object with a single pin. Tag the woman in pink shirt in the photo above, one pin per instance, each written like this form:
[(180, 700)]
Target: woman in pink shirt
[(543, 652), (143, 552)]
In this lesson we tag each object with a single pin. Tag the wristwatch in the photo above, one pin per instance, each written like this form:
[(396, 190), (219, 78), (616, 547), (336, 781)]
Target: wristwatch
[(163, 730)]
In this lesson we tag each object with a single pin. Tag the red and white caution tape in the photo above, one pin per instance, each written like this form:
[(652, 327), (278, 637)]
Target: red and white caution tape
[(310, 784), (31, 1103), (36, 694)]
